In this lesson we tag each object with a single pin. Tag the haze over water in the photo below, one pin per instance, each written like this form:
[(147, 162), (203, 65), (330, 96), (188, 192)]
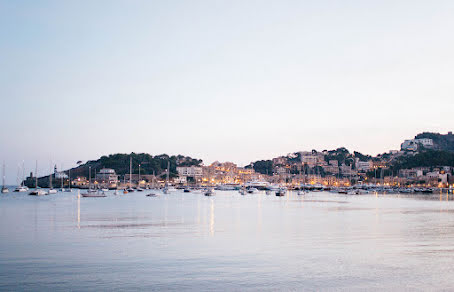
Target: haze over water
[(320, 241)]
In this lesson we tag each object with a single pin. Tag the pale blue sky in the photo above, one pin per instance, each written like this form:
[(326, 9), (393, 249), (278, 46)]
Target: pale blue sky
[(220, 80)]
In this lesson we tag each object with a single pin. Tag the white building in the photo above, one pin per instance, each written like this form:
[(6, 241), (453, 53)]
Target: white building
[(192, 171), (363, 166), (107, 175), (412, 144), (59, 175)]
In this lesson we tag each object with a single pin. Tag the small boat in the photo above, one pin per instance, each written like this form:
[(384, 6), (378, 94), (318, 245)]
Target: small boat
[(281, 192), (139, 189), (52, 191), (21, 189), (94, 195), (208, 193), (125, 191), (5, 190), (152, 195), (252, 190), (38, 192), (187, 190)]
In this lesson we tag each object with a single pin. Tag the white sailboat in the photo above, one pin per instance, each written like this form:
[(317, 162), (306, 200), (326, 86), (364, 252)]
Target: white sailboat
[(139, 189), (37, 191), (21, 188), (165, 190), (4, 189), (130, 189), (51, 188), (92, 193), (62, 189)]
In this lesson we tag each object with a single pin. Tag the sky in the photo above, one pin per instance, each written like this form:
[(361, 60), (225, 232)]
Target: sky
[(219, 80)]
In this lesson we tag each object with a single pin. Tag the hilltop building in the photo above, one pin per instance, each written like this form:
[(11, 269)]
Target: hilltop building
[(412, 144)]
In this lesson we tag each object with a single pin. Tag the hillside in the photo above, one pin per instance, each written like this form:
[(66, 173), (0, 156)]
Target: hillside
[(441, 142), (120, 163)]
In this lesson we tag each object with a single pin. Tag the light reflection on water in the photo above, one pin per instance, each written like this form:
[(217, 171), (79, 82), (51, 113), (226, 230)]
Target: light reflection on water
[(186, 241)]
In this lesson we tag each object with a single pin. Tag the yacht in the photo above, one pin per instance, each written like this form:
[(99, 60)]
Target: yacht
[(21, 189), (259, 185)]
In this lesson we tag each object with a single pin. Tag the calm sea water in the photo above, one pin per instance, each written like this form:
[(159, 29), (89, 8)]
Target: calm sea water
[(186, 241)]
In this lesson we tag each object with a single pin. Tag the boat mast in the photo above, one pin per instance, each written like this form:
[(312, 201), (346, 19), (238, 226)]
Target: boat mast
[(36, 174), (23, 173), (167, 176), (3, 178), (89, 178), (130, 171), (61, 176), (138, 182), (69, 177), (50, 177)]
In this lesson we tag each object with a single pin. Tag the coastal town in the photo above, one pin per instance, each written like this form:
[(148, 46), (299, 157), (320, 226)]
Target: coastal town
[(299, 170)]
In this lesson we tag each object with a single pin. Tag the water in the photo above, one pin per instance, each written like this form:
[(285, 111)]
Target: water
[(186, 241)]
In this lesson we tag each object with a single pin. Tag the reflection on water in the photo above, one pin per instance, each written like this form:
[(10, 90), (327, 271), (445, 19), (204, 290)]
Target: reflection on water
[(186, 241)]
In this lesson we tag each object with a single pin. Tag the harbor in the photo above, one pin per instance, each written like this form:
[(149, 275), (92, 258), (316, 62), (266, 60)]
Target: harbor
[(187, 241)]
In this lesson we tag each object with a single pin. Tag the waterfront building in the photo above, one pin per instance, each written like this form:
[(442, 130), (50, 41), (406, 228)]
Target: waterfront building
[(107, 175), (59, 175)]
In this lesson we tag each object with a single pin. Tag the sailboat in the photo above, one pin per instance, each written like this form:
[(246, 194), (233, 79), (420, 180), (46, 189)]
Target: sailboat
[(62, 189), (51, 188), (139, 189), (69, 182), (165, 190), (37, 191), (4, 189), (92, 193), (130, 189), (21, 188)]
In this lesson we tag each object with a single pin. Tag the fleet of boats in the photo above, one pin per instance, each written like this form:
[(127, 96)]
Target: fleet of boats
[(252, 187)]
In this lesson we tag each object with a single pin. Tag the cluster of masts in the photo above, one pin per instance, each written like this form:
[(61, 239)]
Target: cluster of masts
[(37, 191)]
